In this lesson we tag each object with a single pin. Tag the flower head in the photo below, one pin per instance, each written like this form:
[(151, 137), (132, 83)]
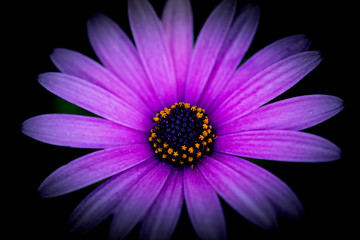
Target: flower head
[(174, 119)]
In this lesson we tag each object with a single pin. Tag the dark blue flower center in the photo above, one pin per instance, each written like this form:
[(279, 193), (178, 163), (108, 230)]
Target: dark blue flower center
[(182, 134)]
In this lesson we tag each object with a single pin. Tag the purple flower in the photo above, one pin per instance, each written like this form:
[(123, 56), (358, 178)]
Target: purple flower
[(175, 118)]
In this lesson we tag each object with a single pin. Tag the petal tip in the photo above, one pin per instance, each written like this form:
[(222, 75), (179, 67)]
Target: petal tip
[(318, 56), (42, 191), (333, 153), (253, 7), (24, 128), (96, 22), (340, 102), (58, 56), (338, 153), (95, 17), (41, 78)]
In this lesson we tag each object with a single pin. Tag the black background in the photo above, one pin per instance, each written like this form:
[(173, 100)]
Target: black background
[(32, 30)]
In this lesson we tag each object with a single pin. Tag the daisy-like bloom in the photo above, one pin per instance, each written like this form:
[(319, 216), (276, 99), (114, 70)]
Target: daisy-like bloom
[(173, 119)]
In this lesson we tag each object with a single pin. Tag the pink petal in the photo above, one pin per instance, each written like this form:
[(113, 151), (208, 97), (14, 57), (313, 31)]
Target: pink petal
[(160, 222), (291, 114), (78, 65), (280, 145), (80, 131), (266, 57), (203, 206), (138, 201), (153, 49), (177, 19), (100, 203), (116, 51), (94, 99), (265, 86), (233, 50), (207, 48), (239, 193), (92, 168), (272, 188)]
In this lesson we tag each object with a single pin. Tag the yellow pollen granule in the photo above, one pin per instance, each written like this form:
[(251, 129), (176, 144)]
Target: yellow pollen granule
[(170, 151), (191, 150), (156, 119)]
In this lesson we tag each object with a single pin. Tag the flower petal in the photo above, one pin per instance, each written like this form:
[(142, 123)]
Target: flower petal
[(266, 57), (153, 49), (203, 206), (272, 188), (116, 51), (265, 86), (138, 201), (78, 65), (177, 19), (291, 114), (92, 168), (160, 221), (280, 145), (100, 203), (234, 48), (80, 131), (94, 99), (239, 193), (207, 48)]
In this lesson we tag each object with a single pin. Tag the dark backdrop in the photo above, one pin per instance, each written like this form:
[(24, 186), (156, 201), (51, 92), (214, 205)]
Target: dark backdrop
[(33, 30)]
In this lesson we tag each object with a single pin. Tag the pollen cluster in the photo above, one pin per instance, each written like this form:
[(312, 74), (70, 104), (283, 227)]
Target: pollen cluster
[(182, 134)]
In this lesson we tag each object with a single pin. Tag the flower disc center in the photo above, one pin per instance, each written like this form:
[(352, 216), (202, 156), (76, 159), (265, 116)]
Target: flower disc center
[(182, 134)]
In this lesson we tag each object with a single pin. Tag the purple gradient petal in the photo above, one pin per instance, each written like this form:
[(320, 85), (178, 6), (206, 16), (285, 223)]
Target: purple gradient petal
[(177, 19), (239, 193), (80, 131), (203, 206), (100, 203), (233, 50), (138, 201), (280, 145), (92, 168), (291, 114), (265, 86), (153, 49), (160, 222), (94, 99), (207, 48), (116, 51), (78, 65), (266, 57), (272, 188)]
